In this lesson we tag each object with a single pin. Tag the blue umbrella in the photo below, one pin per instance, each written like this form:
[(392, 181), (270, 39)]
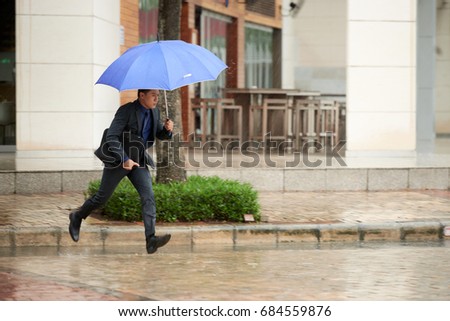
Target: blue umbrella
[(166, 65)]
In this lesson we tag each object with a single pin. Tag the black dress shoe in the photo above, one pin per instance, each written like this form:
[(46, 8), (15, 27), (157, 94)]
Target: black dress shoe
[(74, 226), (154, 242)]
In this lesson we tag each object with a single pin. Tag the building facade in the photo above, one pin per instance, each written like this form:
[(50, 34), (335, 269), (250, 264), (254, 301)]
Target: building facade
[(390, 58), (60, 49)]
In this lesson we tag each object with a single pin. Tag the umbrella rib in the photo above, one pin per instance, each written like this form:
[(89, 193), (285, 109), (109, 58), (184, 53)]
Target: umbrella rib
[(165, 65)]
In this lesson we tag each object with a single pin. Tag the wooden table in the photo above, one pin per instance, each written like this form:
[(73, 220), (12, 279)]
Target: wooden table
[(302, 95), (257, 94)]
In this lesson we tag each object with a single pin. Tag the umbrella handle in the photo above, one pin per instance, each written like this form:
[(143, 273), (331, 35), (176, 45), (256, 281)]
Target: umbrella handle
[(167, 108)]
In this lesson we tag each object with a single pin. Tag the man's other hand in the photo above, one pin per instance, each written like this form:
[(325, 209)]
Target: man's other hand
[(129, 164)]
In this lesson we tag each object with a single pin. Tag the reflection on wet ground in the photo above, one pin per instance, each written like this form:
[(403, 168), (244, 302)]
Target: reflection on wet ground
[(27, 251), (334, 271)]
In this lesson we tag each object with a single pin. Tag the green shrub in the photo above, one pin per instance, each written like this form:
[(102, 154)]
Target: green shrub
[(197, 199)]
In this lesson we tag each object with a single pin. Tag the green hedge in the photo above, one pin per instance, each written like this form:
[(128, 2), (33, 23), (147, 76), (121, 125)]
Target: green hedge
[(197, 199)]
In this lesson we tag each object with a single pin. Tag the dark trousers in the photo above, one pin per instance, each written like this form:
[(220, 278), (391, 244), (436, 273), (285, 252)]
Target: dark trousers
[(140, 178)]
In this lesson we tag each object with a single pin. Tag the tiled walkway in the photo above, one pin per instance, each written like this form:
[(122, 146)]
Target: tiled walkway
[(51, 210)]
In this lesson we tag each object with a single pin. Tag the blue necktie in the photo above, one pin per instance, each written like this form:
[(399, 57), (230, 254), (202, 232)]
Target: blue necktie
[(146, 125)]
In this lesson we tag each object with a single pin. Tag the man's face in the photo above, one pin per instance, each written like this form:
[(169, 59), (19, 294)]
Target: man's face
[(149, 99)]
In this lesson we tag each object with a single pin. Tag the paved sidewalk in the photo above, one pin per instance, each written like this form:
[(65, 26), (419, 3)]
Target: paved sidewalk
[(42, 220)]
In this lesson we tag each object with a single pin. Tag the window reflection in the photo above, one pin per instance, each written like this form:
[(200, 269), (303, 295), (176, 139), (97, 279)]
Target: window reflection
[(148, 20), (258, 56)]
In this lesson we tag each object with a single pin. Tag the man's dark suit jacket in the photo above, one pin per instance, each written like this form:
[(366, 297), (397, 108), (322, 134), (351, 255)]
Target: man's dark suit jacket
[(123, 137)]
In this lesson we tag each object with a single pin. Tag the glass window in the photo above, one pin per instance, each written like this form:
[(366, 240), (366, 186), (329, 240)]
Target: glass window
[(148, 20), (214, 38), (258, 56)]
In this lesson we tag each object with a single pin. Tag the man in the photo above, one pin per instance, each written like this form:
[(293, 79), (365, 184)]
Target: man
[(123, 151)]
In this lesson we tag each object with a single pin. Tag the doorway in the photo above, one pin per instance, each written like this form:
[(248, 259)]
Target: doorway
[(8, 77)]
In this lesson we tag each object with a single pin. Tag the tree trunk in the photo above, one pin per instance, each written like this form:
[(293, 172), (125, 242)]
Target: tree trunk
[(170, 166)]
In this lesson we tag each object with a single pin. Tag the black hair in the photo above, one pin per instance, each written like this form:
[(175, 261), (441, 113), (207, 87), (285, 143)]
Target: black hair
[(142, 91)]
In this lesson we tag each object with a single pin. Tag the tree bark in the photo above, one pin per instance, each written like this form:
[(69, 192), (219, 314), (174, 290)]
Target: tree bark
[(170, 161)]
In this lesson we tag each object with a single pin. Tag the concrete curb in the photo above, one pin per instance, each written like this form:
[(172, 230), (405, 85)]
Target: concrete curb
[(227, 234), (262, 179)]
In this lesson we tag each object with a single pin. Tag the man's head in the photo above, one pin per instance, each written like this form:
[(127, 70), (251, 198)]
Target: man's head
[(148, 97)]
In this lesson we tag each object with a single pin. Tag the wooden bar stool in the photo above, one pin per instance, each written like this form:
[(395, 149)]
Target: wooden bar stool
[(328, 122), (216, 119), (229, 121), (272, 117), (198, 119), (304, 122)]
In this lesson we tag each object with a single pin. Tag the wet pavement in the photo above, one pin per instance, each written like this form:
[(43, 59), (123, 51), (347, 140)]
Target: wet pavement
[(374, 271), (42, 220), (311, 246), (52, 210)]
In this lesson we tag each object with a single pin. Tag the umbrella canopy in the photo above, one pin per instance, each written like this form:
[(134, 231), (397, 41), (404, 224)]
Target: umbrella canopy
[(166, 65)]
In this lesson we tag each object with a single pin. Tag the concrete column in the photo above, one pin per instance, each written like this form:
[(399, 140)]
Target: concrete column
[(426, 62), (381, 78), (443, 67), (62, 48), (314, 46)]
